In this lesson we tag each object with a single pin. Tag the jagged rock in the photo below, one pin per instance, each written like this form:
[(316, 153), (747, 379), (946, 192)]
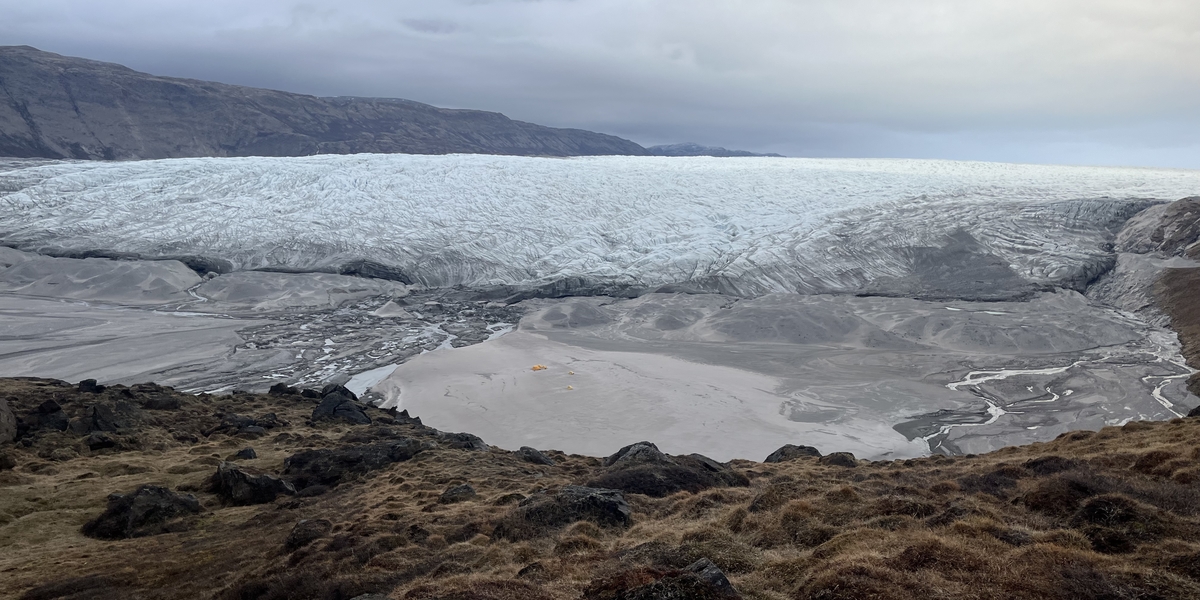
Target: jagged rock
[(89, 386), (246, 454), (8, 423), (1195, 412), (335, 388), (456, 494), (462, 441), (641, 452), (532, 455), (283, 389), (839, 459), (792, 452), (238, 486), (144, 512), (576, 503), (403, 418), (308, 393), (330, 466), (99, 441), (101, 418), (307, 531), (340, 404)]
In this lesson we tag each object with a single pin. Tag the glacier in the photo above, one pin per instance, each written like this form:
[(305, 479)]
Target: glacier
[(616, 225), (890, 308)]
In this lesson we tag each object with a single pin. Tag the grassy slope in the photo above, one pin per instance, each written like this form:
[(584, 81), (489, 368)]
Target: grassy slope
[(1113, 514)]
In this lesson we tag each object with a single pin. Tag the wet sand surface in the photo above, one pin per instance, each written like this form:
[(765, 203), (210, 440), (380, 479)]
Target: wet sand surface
[(880, 377)]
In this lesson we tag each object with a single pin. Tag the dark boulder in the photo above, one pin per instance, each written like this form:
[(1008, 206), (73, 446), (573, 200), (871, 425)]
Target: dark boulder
[(7, 463), (161, 403), (641, 452), (336, 406), (457, 493), (283, 389), (532, 455), (270, 421), (792, 452), (541, 512), (652, 473), (1195, 412), (89, 386), (307, 531), (8, 423), (144, 512), (246, 454), (462, 441), (239, 486), (330, 466), (252, 432), (48, 415), (839, 459), (99, 440)]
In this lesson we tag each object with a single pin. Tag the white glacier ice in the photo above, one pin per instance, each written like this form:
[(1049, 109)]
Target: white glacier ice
[(745, 226)]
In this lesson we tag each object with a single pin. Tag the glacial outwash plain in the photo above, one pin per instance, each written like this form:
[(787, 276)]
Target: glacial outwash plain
[(330, 377)]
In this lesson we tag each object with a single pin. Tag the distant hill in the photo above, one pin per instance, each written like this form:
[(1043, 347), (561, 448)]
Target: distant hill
[(690, 149), (53, 106)]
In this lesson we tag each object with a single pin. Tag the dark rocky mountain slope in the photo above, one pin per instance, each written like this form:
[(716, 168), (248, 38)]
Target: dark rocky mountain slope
[(53, 106), (691, 149)]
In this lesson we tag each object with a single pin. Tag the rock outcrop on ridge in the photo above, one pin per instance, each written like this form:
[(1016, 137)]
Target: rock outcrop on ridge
[(54, 106)]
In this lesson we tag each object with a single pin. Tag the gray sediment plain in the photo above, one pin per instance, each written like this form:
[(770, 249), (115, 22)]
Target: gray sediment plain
[(955, 355)]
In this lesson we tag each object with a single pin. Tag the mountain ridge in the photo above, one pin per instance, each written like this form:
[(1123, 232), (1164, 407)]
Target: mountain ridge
[(54, 106)]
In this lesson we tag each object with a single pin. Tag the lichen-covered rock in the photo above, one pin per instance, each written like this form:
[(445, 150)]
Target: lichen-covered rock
[(457, 493), (533, 455), (144, 512), (331, 466), (792, 452), (307, 531), (641, 452), (839, 459), (573, 503), (462, 441)]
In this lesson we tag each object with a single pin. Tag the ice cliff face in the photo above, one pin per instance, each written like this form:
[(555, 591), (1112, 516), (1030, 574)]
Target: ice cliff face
[(603, 225)]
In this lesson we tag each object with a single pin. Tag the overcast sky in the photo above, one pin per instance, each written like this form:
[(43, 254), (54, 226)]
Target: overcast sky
[(1049, 81)]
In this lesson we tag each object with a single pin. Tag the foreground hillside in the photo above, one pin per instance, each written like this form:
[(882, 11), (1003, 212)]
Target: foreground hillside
[(330, 506), (55, 106)]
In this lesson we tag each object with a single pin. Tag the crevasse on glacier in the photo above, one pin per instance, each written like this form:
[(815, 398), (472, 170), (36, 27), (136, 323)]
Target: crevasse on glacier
[(745, 226)]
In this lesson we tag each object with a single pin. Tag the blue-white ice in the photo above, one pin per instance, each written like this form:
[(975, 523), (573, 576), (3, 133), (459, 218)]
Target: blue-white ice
[(741, 225)]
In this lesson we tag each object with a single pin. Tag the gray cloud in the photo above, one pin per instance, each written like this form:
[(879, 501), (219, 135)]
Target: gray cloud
[(1068, 81)]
